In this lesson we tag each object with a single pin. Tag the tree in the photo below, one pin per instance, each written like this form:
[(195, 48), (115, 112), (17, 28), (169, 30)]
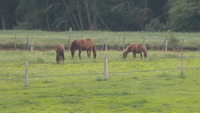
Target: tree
[(31, 14), (184, 15), (7, 13)]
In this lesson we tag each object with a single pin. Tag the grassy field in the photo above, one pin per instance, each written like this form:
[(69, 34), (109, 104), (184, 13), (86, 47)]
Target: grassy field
[(48, 40), (77, 86)]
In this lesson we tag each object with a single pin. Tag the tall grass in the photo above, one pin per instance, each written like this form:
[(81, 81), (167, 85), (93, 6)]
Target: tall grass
[(48, 40)]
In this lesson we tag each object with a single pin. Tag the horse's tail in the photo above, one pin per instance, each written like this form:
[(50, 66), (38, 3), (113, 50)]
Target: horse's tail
[(94, 51), (145, 51)]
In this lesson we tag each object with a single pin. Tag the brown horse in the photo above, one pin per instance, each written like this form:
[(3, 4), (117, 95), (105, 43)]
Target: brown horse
[(83, 44), (60, 49), (135, 48)]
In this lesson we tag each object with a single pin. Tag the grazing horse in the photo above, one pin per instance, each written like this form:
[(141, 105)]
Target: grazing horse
[(83, 44), (135, 48), (60, 49)]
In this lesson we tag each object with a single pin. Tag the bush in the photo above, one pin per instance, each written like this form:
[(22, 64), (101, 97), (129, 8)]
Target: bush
[(173, 41), (155, 25)]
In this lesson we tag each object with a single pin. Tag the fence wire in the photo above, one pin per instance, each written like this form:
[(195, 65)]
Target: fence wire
[(117, 43)]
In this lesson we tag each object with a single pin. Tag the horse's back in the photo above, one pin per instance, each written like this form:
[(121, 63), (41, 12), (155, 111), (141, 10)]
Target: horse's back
[(82, 43), (60, 48), (138, 47), (142, 46)]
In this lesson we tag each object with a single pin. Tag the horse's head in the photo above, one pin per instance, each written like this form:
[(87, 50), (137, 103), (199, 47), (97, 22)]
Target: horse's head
[(124, 55)]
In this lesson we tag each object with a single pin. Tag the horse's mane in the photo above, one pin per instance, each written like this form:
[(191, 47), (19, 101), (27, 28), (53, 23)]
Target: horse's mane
[(128, 48)]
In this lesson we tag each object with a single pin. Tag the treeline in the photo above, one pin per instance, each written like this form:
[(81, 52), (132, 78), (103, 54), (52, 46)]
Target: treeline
[(113, 15)]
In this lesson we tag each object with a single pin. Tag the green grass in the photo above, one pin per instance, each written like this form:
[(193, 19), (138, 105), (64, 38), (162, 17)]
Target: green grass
[(78, 85), (48, 40)]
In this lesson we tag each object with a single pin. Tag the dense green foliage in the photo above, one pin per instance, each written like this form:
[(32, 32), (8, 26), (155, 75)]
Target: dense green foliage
[(114, 15), (184, 15), (75, 87)]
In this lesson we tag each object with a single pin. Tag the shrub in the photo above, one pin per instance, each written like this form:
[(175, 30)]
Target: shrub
[(155, 25)]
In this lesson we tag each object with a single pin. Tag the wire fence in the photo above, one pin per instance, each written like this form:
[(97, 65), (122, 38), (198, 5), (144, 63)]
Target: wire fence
[(117, 43), (105, 71)]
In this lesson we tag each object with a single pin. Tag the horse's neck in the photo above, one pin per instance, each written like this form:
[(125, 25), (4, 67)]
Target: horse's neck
[(127, 51)]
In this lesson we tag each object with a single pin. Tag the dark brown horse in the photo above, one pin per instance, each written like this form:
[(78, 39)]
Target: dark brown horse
[(83, 44), (135, 48), (60, 49)]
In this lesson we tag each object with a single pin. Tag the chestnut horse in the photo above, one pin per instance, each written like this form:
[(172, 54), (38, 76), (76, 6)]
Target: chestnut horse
[(135, 48), (83, 44), (60, 49)]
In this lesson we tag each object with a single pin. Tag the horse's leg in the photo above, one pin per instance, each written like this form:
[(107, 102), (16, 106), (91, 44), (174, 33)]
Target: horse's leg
[(57, 59), (63, 58), (141, 55), (72, 53), (79, 54), (89, 53), (134, 54)]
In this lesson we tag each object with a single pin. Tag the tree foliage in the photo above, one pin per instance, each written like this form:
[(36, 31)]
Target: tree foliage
[(115, 15), (184, 15)]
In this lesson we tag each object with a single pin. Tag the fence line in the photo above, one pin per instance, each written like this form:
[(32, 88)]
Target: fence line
[(52, 76), (123, 60), (105, 72), (118, 43)]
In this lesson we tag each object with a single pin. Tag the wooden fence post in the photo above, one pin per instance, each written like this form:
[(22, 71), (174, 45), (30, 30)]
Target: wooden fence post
[(144, 40), (27, 43), (31, 44), (69, 40), (26, 74), (124, 43), (157, 44), (105, 69), (119, 41), (182, 67), (15, 43), (166, 44), (103, 41), (106, 45), (182, 44)]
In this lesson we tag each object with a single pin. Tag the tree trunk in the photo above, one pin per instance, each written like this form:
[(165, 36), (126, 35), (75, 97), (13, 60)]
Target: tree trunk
[(145, 3), (79, 15), (3, 22), (94, 16), (68, 9), (47, 16), (88, 14)]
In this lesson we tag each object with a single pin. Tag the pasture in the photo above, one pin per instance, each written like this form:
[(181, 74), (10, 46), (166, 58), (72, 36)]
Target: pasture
[(41, 40), (78, 85)]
